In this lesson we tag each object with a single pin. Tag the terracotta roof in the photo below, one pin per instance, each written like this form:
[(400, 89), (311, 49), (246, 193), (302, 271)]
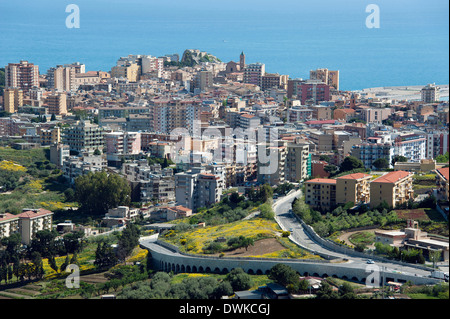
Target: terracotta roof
[(354, 176), (392, 177), (444, 172), (33, 214), (7, 216), (322, 181)]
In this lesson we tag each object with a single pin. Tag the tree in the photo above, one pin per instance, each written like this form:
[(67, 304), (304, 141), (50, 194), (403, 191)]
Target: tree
[(104, 256), (239, 279), (284, 275), (325, 291), (128, 240), (97, 152), (98, 192), (350, 163), (53, 118), (346, 291), (381, 163)]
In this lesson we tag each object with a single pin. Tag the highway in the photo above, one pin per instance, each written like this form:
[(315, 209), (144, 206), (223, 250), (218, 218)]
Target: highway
[(288, 221)]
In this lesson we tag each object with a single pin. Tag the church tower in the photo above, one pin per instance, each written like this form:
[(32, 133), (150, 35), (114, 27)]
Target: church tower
[(242, 61)]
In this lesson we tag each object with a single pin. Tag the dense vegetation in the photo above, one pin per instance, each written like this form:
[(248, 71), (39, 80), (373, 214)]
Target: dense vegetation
[(98, 192)]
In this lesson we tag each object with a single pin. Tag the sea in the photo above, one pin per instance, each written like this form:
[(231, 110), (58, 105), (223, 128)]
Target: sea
[(409, 45)]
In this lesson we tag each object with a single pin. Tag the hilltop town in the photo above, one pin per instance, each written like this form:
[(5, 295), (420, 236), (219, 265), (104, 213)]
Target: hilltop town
[(159, 151)]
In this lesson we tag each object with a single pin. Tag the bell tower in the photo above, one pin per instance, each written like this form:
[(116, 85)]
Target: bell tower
[(242, 61)]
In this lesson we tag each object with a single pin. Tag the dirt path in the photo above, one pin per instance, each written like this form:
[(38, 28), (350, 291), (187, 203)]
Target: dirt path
[(261, 247)]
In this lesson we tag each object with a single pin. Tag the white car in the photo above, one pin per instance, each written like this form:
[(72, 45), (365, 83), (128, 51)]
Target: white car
[(370, 261)]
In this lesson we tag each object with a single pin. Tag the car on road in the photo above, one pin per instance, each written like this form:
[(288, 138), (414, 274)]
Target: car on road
[(291, 229), (370, 261)]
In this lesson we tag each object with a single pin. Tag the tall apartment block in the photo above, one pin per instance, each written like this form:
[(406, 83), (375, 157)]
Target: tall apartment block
[(195, 189), (253, 73), (320, 193), (127, 70), (57, 104), (123, 143), (62, 78), (411, 146), (298, 162), (311, 91), (12, 100), (394, 188), (430, 93), (369, 152), (326, 76), (23, 75), (84, 137)]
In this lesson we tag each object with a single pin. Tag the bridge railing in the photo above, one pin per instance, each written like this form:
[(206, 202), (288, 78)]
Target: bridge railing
[(174, 248), (344, 250)]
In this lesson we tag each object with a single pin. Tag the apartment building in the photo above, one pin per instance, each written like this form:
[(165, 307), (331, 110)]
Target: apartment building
[(270, 80), (158, 187), (271, 163), (299, 114), (394, 188), (320, 194), (442, 176), (84, 137), (370, 152), (126, 70), (34, 220), (326, 76), (195, 189), (9, 224), (298, 162), (28, 223), (50, 136), (23, 75), (322, 112), (119, 143), (323, 142), (170, 114), (210, 187), (12, 99), (411, 146), (375, 115), (59, 153), (430, 93), (353, 188), (202, 81), (253, 73), (437, 143), (61, 78), (248, 121), (311, 91), (74, 166), (57, 104)]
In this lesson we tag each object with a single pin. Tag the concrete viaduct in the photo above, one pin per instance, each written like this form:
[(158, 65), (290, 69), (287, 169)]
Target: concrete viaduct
[(167, 258)]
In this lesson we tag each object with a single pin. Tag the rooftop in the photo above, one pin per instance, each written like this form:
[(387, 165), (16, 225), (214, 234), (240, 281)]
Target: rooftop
[(354, 176), (322, 181), (444, 172), (392, 177)]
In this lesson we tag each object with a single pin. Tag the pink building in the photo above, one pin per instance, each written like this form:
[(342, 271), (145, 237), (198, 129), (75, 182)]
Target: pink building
[(123, 143)]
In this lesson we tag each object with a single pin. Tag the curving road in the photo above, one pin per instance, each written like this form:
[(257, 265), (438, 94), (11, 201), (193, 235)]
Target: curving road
[(287, 221)]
